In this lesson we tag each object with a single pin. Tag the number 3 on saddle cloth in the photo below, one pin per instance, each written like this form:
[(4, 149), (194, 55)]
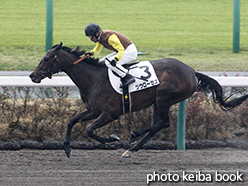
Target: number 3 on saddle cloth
[(144, 75)]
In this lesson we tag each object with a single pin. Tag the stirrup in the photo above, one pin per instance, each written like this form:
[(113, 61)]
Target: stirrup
[(127, 82)]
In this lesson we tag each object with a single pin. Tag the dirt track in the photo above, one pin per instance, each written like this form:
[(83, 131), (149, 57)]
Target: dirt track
[(107, 167)]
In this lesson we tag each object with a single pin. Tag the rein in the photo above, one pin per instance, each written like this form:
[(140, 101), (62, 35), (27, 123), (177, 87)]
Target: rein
[(79, 60)]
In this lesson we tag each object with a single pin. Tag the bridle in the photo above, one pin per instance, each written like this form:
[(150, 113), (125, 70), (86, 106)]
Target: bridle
[(55, 58), (49, 70)]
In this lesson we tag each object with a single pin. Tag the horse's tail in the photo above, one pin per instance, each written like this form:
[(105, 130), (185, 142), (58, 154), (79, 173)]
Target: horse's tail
[(207, 83)]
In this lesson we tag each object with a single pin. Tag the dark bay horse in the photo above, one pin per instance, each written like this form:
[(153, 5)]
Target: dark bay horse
[(177, 82)]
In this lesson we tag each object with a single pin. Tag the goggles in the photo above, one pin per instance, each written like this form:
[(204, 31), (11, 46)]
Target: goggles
[(90, 37)]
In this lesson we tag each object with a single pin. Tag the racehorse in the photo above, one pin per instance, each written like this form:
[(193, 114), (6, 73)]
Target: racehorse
[(177, 82)]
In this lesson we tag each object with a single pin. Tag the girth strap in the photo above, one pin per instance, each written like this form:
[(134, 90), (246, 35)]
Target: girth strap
[(126, 99)]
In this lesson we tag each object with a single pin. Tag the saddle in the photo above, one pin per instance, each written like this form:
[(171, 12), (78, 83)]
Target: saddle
[(128, 65), (145, 77)]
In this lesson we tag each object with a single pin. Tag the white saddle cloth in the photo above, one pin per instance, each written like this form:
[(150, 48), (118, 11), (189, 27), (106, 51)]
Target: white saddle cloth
[(144, 74)]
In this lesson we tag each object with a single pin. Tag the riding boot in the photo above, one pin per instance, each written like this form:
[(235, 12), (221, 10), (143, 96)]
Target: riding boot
[(127, 80)]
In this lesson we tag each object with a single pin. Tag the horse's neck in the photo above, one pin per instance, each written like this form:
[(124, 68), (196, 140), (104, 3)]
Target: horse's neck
[(83, 75)]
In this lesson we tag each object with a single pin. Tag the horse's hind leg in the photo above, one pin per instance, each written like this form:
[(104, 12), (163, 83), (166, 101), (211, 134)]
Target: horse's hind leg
[(138, 145), (161, 122), (156, 119)]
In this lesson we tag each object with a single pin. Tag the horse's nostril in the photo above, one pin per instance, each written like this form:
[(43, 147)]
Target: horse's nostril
[(31, 76)]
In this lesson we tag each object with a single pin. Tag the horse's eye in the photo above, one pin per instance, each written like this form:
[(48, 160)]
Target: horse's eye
[(45, 59)]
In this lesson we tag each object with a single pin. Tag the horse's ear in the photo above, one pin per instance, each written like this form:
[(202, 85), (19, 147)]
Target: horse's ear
[(60, 45)]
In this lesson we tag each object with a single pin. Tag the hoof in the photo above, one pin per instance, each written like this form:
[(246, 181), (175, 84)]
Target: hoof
[(114, 137), (127, 154), (68, 152)]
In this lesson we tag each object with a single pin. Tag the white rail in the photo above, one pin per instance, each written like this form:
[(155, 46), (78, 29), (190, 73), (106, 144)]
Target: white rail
[(25, 81), (65, 81), (232, 81)]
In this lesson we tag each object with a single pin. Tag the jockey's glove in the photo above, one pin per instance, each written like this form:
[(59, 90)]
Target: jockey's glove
[(113, 62), (89, 54)]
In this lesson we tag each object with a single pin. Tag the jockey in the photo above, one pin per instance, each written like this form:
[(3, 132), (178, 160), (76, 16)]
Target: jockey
[(124, 50)]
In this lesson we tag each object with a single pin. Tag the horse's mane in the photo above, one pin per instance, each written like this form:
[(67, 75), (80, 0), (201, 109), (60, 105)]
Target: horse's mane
[(78, 53)]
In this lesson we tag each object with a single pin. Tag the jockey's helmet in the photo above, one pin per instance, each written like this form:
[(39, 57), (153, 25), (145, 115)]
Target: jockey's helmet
[(91, 29)]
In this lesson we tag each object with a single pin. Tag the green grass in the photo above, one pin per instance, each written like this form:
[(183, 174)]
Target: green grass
[(198, 32)]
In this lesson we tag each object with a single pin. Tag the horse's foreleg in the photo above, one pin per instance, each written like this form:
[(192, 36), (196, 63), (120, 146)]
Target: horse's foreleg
[(102, 120), (83, 116)]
